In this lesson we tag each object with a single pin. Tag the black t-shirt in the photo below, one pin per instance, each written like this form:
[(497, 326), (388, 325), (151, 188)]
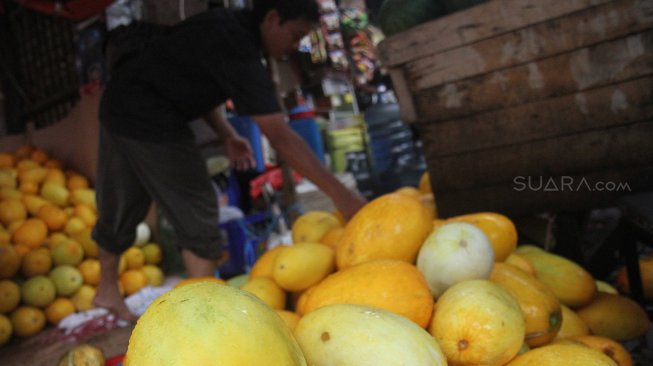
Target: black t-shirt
[(199, 64)]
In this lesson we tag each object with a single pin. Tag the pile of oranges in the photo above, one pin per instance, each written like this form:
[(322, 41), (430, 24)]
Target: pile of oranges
[(48, 258)]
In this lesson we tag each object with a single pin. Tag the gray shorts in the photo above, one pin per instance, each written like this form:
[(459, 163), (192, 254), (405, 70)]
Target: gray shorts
[(131, 173)]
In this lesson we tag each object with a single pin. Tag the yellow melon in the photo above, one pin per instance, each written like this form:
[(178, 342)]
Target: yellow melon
[(393, 285), (190, 280), (562, 354), (409, 191), (302, 265), (392, 226), (346, 334), (572, 284), (209, 324), (572, 325), (289, 317), (520, 262), (476, 322), (264, 265), (539, 305), (615, 317), (610, 348), (500, 230), (267, 290), (312, 226)]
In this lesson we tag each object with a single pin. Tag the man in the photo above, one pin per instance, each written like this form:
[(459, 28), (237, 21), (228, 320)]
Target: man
[(146, 147)]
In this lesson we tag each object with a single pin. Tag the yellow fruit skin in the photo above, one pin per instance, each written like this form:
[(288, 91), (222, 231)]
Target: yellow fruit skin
[(9, 296), (209, 324), (289, 317), (520, 262), (571, 283), (562, 354), (345, 334), (646, 273), (392, 226), (499, 229), (9, 261), (267, 290), (83, 354), (27, 321), (615, 317), (608, 347), (476, 322), (265, 263), (393, 285), (302, 265), (312, 226), (6, 329), (540, 307), (572, 325)]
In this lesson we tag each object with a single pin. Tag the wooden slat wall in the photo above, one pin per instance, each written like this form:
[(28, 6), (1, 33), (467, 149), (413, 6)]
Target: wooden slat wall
[(530, 89)]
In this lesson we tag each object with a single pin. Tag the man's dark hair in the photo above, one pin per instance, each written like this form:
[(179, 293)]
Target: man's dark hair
[(288, 10)]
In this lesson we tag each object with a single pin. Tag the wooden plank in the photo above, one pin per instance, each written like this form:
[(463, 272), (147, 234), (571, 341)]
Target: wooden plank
[(581, 29), (583, 69), (576, 196), (609, 106), (474, 24), (404, 96), (583, 152)]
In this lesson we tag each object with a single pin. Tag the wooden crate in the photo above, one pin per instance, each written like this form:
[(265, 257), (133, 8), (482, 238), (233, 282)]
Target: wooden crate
[(512, 93)]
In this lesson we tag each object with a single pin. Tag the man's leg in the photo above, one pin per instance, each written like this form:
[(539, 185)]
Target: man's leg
[(197, 266), (108, 295)]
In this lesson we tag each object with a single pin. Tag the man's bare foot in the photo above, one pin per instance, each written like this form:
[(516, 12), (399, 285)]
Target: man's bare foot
[(113, 301)]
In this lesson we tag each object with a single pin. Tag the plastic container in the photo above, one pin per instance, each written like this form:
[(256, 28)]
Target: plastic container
[(246, 241), (302, 121)]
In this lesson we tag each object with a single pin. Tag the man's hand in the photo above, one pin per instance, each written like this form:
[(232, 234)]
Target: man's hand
[(240, 153)]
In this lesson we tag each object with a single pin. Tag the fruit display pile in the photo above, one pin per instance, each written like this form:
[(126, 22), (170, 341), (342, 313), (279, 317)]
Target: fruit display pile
[(395, 286), (48, 259)]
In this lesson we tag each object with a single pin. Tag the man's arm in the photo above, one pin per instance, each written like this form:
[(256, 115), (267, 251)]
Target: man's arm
[(239, 150), (293, 150)]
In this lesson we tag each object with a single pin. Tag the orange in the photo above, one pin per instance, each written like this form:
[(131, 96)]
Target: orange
[(9, 296), (53, 163), (267, 290), (22, 250), (33, 203), (5, 237), (83, 298), (90, 270), (394, 285), (133, 280), (10, 194), (9, 261), (393, 226), (54, 217), (610, 348), (77, 181), (35, 174), (60, 308), (134, 258), (500, 230), (154, 274), (6, 329), (74, 226), (39, 156), (7, 160), (55, 176), (27, 187), (31, 233), (152, 253), (55, 239), (265, 263), (68, 252), (84, 237), (332, 237), (36, 262), (190, 280), (86, 214), (25, 164), (27, 321), (12, 210)]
